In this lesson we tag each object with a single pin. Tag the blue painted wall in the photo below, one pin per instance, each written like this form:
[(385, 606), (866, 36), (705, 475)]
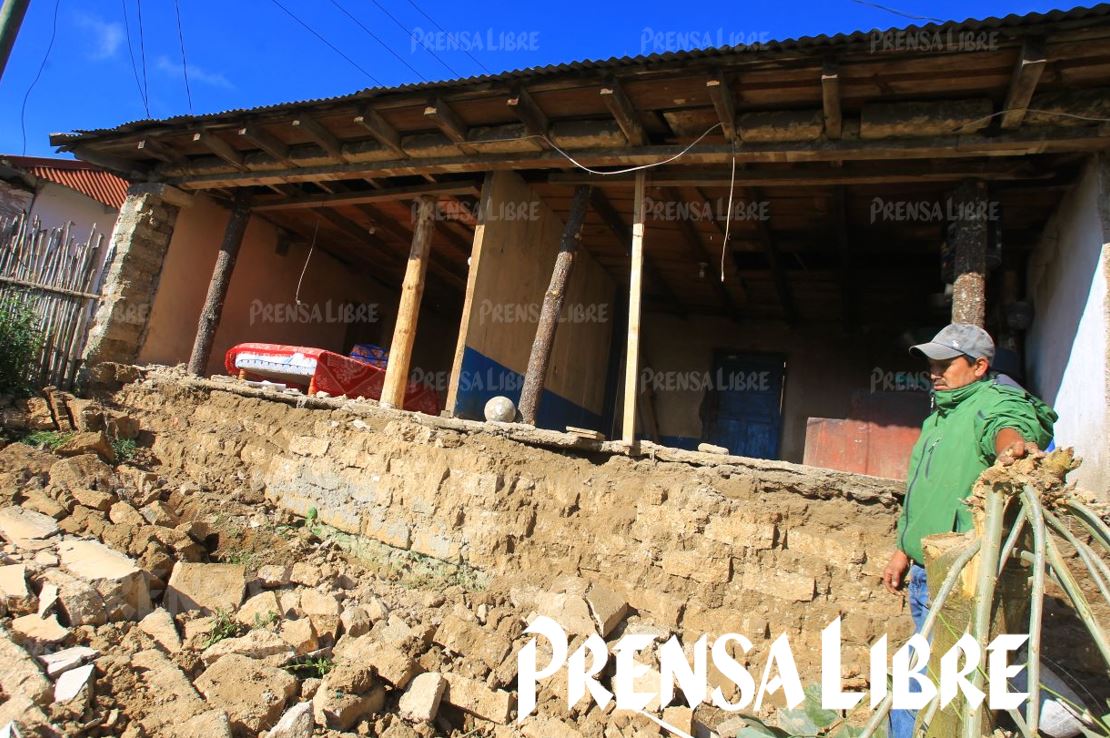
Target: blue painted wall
[(482, 379)]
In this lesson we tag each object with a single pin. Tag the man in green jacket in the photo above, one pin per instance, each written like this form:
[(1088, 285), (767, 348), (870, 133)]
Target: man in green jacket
[(978, 418)]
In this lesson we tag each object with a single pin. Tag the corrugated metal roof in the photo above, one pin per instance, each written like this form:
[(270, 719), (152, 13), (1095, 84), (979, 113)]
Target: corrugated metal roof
[(93, 182), (805, 43)]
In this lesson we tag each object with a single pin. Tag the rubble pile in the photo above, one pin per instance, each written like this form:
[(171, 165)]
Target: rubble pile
[(135, 604)]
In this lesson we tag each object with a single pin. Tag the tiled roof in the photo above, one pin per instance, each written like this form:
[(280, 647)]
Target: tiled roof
[(93, 182)]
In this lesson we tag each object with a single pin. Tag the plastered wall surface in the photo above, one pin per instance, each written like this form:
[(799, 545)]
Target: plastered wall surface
[(1068, 342)]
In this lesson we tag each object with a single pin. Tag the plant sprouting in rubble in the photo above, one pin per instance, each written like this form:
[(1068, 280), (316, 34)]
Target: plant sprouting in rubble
[(808, 720), (48, 440), (310, 667), (224, 626), (265, 621), (21, 337), (124, 448)]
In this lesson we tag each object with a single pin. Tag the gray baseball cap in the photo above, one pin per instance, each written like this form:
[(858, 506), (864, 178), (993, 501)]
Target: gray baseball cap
[(957, 339)]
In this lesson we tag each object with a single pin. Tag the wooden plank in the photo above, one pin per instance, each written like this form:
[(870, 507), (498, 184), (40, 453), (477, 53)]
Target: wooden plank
[(220, 148), (324, 138), (536, 123), (1027, 73), (632, 353), (778, 270), (540, 355), (848, 292), (335, 199), (449, 122), (385, 134), (586, 433), (217, 287), (624, 113), (161, 151), (830, 101), (697, 253), (723, 230), (268, 143), (408, 312), (720, 92)]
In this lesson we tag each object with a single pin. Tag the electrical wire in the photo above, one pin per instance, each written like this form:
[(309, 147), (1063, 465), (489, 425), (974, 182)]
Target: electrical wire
[(412, 35), (327, 43), (142, 51), (374, 36), (311, 248), (728, 218), (27, 96), (899, 12), (131, 54), (433, 22), (1059, 113), (626, 170), (184, 63)]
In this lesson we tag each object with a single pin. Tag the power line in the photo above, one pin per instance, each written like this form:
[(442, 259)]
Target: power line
[(142, 51), (184, 64), (383, 43), (131, 53), (26, 97), (329, 44), (433, 22), (412, 35)]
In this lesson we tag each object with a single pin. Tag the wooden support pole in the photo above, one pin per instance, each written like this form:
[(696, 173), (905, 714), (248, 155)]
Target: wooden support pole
[(830, 101), (552, 306), (1027, 73), (632, 354), (404, 331), (969, 237), (217, 288)]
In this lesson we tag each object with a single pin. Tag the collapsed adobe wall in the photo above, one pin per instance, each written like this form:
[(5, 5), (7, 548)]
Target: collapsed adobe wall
[(760, 549)]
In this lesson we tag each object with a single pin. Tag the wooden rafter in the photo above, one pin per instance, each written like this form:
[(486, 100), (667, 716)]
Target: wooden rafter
[(383, 195), (536, 123), (720, 225), (624, 113), (720, 92), (161, 151), (449, 123), (319, 133), (384, 133), (698, 253), (848, 293), (269, 143), (220, 148), (778, 269), (1027, 72), (830, 100)]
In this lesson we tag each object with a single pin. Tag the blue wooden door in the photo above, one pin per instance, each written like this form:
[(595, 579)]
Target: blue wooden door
[(747, 389)]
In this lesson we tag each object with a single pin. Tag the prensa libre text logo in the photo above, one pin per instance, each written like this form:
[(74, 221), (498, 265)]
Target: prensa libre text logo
[(780, 672)]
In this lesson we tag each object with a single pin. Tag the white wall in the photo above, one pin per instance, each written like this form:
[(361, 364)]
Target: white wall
[(1067, 346), (56, 205)]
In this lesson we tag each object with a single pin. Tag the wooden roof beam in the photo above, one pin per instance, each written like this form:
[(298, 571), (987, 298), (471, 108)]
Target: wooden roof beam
[(778, 270), (697, 251), (1027, 73), (324, 138), (624, 113), (220, 148), (449, 123), (848, 292), (161, 151), (720, 92), (383, 195), (722, 229), (384, 133), (830, 101), (528, 112), (269, 143)]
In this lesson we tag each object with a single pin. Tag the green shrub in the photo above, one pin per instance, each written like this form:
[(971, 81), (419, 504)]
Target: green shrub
[(21, 338), (48, 440)]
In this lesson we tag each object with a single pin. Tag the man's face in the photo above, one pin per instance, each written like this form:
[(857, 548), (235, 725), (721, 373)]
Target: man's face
[(950, 374)]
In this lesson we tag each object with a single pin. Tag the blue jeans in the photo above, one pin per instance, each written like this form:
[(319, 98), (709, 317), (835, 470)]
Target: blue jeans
[(902, 721)]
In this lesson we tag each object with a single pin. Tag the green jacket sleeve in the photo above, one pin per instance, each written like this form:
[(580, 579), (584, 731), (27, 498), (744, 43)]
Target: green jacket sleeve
[(1013, 408)]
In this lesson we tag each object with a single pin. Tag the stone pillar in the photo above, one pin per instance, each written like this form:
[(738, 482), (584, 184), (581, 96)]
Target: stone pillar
[(969, 235), (140, 240)]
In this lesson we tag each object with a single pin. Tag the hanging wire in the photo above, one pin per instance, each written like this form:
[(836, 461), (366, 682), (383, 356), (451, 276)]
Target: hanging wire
[(131, 54), (142, 50), (440, 28), (45, 57), (412, 35), (383, 44), (184, 63), (327, 43), (311, 248)]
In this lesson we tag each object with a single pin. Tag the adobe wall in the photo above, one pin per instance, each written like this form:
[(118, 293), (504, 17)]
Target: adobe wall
[(707, 546)]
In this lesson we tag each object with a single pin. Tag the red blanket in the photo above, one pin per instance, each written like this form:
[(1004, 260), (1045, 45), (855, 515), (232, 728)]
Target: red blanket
[(325, 371)]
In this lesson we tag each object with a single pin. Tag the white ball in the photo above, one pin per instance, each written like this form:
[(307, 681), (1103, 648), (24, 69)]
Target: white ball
[(500, 409)]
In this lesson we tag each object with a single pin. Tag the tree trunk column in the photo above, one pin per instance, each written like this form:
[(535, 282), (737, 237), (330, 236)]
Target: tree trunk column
[(969, 236), (217, 288), (408, 312), (553, 306)]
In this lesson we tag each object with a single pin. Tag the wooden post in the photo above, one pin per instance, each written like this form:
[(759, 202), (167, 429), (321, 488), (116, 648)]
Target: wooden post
[(632, 354), (217, 288), (408, 312), (969, 293), (552, 306)]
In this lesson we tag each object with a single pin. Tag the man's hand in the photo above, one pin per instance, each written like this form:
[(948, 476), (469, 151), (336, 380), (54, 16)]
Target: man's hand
[(895, 571), (1009, 446)]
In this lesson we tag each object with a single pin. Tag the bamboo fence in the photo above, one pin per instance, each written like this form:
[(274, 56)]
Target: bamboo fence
[(58, 278)]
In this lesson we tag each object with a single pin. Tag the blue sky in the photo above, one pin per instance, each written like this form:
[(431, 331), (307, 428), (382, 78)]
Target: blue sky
[(244, 53)]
